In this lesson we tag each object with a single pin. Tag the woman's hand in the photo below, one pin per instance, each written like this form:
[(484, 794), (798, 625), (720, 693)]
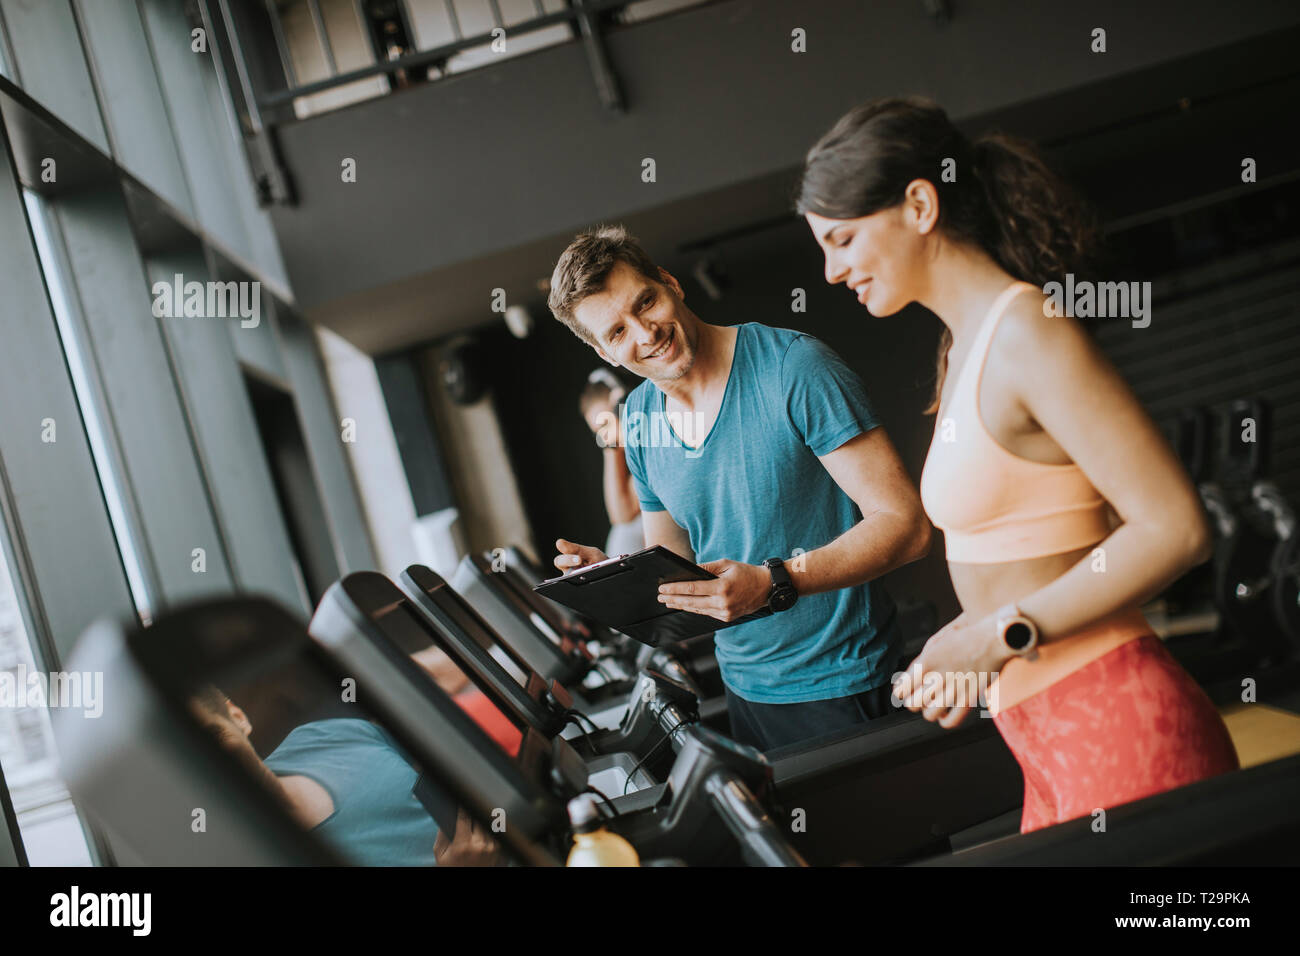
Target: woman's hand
[(957, 664)]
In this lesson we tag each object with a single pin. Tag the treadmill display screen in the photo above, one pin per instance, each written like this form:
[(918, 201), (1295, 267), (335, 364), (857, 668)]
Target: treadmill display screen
[(463, 617), (403, 626)]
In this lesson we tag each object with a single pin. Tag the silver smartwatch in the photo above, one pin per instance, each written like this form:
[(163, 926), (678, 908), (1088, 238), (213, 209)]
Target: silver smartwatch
[(1019, 635)]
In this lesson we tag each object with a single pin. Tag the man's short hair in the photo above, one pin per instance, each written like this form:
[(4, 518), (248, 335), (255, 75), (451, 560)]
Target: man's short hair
[(211, 698), (584, 267)]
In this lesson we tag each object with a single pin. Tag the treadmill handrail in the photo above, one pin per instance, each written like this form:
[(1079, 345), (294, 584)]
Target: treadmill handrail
[(1164, 829), (745, 817), (886, 742)]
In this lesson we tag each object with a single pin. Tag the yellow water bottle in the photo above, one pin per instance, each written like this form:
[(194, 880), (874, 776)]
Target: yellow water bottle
[(593, 845)]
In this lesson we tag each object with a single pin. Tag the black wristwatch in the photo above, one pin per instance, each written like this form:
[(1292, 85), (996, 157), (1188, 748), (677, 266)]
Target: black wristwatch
[(783, 595)]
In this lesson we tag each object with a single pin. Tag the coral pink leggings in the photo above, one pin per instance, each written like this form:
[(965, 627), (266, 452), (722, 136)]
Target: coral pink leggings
[(1130, 724)]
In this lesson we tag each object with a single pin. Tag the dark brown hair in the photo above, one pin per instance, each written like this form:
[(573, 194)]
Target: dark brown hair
[(592, 393), (212, 699), (1005, 198), (584, 267)]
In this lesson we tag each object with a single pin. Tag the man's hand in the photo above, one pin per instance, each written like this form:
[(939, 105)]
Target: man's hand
[(576, 555), (959, 661), (471, 846), (739, 589)]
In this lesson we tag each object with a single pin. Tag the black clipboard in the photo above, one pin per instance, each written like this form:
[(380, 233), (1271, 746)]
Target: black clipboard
[(623, 594)]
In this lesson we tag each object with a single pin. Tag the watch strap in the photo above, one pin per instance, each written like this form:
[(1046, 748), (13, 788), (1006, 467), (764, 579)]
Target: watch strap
[(780, 574)]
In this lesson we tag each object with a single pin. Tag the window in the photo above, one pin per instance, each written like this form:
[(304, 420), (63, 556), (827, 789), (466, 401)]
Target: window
[(62, 302), (316, 565), (4, 55), (51, 830)]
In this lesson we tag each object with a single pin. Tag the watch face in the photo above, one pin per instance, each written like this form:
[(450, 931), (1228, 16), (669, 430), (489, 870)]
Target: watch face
[(782, 599), (1018, 634)]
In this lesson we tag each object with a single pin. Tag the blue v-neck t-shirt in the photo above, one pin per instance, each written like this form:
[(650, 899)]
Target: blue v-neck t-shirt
[(752, 489)]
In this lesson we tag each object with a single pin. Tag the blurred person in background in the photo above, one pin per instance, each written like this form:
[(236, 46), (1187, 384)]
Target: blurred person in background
[(600, 406)]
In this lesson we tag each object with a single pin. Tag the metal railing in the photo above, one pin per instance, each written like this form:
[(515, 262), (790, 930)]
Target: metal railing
[(260, 109), (583, 17)]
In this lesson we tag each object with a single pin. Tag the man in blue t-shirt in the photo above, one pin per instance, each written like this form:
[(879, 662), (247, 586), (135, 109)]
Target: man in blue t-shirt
[(754, 451), (347, 781)]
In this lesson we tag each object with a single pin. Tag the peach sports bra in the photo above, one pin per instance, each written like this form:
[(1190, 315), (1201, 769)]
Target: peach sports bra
[(991, 505)]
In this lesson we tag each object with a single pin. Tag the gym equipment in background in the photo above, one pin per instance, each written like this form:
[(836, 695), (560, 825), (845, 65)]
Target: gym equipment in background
[(1250, 586)]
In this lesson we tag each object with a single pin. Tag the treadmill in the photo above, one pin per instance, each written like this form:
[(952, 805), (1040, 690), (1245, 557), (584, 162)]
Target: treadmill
[(463, 635), (932, 784), (518, 574), (1244, 818), (713, 780), (142, 768), (526, 623), (259, 653), (553, 655), (946, 792), (611, 762)]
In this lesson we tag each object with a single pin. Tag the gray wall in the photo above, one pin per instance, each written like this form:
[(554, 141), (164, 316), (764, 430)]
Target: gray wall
[(51, 64), (162, 474), (226, 441), (151, 181), (458, 170)]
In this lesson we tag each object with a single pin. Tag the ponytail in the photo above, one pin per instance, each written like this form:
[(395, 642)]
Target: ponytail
[(1041, 228), (1014, 206), (1038, 228)]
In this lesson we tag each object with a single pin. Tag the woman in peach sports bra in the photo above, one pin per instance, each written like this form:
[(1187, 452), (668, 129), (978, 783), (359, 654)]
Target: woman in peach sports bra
[(1063, 508)]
